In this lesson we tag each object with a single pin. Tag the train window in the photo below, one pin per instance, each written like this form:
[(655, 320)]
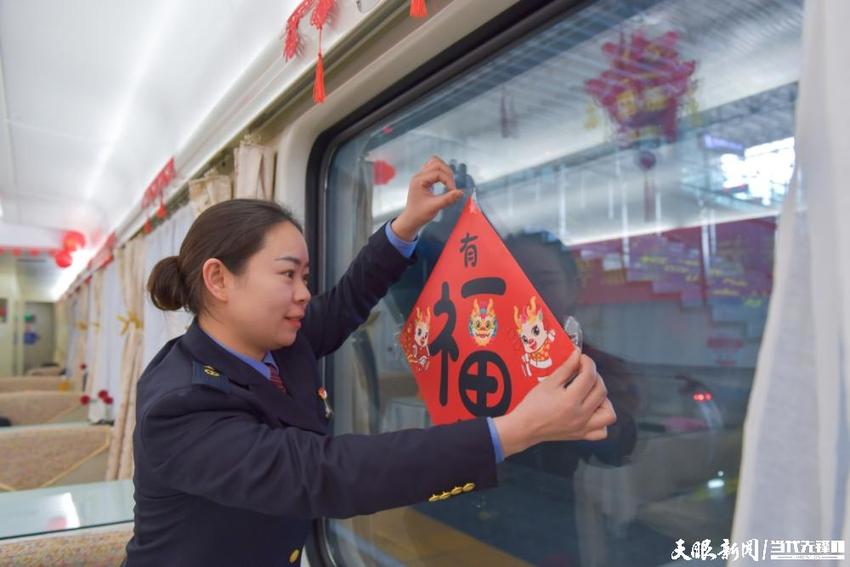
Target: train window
[(634, 157)]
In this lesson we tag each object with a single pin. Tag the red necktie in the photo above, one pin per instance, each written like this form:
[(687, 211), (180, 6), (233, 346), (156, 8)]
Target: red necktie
[(274, 378)]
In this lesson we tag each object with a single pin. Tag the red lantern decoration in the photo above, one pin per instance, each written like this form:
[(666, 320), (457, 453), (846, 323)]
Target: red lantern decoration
[(83, 366), (108, 400), (148, 227), (16, 251), (85, 399), (103, 394), (35, 252), (382, 172), (63, 259), (73, 241)]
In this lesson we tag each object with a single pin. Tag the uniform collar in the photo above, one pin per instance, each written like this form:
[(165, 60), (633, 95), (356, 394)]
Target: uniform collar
[(298, 408), (259, 366)]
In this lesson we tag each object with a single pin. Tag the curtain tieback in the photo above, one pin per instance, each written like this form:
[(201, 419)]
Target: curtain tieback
[(131, 318)]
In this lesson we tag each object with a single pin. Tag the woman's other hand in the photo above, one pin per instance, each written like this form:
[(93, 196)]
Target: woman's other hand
[(553, 412), (422, 204)]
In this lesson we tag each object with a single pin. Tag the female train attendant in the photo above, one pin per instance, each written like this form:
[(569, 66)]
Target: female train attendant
[(232, 453)]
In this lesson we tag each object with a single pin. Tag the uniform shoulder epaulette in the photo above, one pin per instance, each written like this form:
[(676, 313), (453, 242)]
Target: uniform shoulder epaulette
[(206, 375)]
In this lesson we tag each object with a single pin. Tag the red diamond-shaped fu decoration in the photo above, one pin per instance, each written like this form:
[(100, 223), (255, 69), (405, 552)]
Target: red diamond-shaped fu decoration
[(479, 336)]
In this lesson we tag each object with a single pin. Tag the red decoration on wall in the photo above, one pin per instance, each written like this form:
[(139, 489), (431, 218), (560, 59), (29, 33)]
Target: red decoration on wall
[(63, 259), (85, 399), (16, 251), (35, 252), (161, 212), (155, 190), (479, 336), (292, 42), (418, 9), (382, 172)]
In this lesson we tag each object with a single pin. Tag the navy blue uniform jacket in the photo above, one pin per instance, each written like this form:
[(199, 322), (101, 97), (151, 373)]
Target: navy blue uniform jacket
[(231, 471)]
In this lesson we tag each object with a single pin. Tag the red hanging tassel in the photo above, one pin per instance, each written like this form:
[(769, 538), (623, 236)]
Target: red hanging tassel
[(148, 226), (292, 39), (418, 9), (319, 19), (161, 212), (319, 85)]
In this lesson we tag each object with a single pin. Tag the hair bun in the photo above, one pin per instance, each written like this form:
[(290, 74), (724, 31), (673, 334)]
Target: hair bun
[(166, 285)]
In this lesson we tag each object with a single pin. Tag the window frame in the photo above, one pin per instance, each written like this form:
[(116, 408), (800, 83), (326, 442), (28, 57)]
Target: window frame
[(509, 28)]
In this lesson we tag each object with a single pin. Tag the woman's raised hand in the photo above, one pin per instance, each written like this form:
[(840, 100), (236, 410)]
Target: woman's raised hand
[(422, 204), (554, 412)]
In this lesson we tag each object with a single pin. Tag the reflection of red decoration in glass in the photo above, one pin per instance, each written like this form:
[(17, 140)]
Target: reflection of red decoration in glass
[(383, 172), (108, 400), (148, 227), (161, 211), (103, 394), (83, 366), (73, 241), (85, 399), (16, 251), (643, 86), (57, 523), (63, 259)]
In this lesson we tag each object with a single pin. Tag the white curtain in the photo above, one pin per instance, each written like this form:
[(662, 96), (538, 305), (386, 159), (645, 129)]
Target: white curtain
[(81, 327), (72, 306), (162, 326), (254, 172), (794, 472), (106, 374), (61, 331)]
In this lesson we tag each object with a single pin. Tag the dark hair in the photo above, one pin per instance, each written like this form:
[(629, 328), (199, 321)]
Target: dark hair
[(232, 232)]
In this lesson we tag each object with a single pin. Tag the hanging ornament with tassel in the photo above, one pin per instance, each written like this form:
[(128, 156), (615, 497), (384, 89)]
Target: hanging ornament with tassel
[(319, 19)]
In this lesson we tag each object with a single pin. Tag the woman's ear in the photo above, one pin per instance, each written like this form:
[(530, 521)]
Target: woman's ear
[(216, 279)]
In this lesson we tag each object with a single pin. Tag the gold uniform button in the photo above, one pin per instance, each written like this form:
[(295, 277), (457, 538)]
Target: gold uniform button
[(445, 495), (457, 490), (293, 557), (469, 487)]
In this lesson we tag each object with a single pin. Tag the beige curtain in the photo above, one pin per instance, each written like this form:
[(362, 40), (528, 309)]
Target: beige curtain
[(130, 270), (254, 172), (60, 332), (209, 190)]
